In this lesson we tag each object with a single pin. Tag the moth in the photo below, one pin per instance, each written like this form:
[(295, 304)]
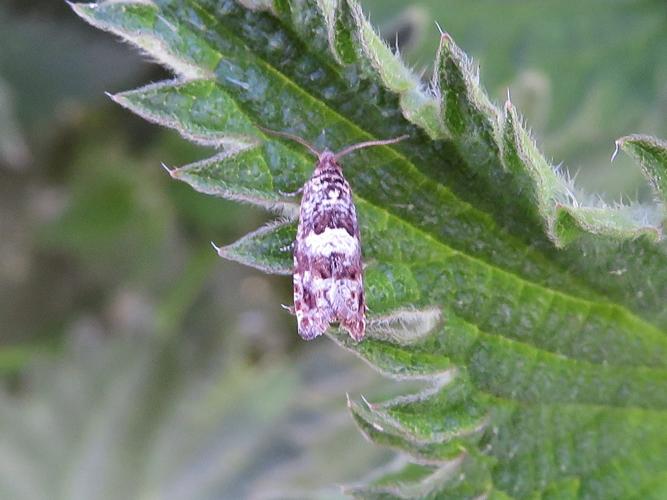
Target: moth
[(328, 273)]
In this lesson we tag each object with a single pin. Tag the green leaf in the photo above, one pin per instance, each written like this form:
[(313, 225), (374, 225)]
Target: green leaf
[(578, 88), (651, 154), (533, 314)]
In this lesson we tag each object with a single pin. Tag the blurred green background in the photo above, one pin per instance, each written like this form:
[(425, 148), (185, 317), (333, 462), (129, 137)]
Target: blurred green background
[(136, 363)]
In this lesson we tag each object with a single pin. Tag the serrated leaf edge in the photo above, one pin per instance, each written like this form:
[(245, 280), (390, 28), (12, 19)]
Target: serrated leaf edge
[(151, 46)]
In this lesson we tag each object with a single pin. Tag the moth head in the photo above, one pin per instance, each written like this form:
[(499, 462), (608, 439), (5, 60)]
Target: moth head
[(326, 156)]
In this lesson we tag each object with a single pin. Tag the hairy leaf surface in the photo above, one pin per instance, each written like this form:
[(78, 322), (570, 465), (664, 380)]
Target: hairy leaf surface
[(534, 315)]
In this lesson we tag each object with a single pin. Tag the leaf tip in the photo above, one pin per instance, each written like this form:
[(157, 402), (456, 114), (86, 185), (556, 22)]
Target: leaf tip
[(86, 11), (617, 145), (446, 39), (217, 249), (405, 326), (366, 402), (80, 8), (509, 107), (289, 309), (173, 173), (118, 98), (508, 100)]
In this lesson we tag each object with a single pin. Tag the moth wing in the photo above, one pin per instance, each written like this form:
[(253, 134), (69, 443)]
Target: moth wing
[(312, 309), (328, 284), (350, 302)]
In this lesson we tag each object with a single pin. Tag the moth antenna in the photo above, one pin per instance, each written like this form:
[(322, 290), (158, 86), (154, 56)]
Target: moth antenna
[(291, 137), (368, 144)]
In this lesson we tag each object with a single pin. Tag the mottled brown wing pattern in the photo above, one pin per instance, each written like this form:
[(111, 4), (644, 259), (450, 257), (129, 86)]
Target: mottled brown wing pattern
[(328, 274)]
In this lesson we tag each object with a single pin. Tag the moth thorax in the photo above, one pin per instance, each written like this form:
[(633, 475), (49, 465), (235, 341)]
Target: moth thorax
[(327, 157), (326, 161)]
